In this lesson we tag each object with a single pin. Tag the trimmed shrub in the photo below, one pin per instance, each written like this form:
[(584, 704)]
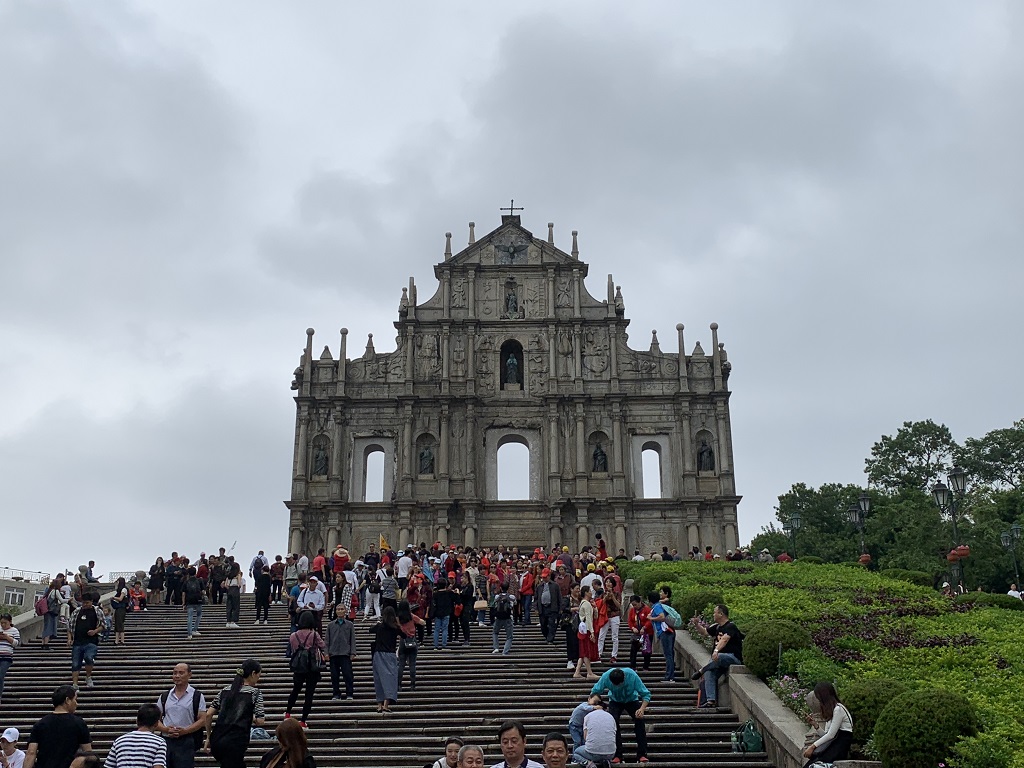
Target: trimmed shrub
[(920, 728), (866, 699), (811, 560), (761, 646), (650, 577), (920, 578), (793, 659), (810, 672), (987, 598), (689, 603)]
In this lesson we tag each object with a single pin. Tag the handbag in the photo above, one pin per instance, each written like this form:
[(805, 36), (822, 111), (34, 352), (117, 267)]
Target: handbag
[(409, 643), (42, 606), (458, 609), (480, 605), (748, 738)]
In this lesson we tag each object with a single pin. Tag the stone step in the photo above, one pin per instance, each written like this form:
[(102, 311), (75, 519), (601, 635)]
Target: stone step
[(463, 690)]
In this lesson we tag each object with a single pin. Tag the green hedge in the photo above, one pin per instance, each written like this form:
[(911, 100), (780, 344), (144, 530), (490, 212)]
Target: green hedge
[(698, 601), (987, 598), (920, 578), (866, 699), (920, 728), (763, 641), (811, 560)]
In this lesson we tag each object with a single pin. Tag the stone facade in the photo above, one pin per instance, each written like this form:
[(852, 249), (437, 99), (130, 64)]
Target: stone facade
[(513, 348)]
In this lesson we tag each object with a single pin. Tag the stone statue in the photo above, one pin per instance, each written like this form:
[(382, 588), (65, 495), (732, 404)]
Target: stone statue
[(426, 461), (320, 461), (600, 459), (511, 370), (511, 303), (705, 458)]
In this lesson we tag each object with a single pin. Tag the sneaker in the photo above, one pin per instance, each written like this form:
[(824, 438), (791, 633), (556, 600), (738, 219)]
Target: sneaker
[(256, 623), (613, 660), (495, 651), (89, 683), (287, 715), (643, 759), (336, 698), (570, 665), (303, 723), (697, 675), (616, 760), (197, 633), (75, 687), (710, 704), (190, 637), (228, 625)]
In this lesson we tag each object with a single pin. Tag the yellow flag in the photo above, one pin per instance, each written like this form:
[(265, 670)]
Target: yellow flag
[(384, 543)]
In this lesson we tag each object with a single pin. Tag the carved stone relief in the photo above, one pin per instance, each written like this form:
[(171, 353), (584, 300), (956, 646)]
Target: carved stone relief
[(595, 353), (563, 295), (459, 293), (564, 349), (428, 357), (485, 365), (535, 298), (487, 298), (538, 364), (458, 346)]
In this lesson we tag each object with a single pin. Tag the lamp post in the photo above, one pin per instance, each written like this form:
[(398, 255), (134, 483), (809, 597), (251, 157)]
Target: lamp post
[(790, 527), (858, 514), (1009, 540), (947, 498)]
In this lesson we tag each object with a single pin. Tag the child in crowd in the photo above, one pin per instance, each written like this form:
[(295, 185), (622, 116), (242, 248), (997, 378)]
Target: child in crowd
[(138, 597), (576, 719), (108, 622)]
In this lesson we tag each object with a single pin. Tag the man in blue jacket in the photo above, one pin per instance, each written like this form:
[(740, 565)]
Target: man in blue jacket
[(626, 692)]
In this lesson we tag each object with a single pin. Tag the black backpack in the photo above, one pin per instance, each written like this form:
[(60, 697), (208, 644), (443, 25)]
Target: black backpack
[(304, 659), (199, 736), (194, 591), (503, 607)]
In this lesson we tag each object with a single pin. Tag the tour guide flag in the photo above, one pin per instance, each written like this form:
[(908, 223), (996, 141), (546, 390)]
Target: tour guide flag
[(383, 543)]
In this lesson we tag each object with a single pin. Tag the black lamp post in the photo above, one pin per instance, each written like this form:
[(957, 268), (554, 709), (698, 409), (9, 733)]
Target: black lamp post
[(858, 514), (1009, 540), (947, 499), (790, 527)]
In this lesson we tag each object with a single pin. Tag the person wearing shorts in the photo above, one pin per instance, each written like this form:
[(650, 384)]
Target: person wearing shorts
[(84, 638)]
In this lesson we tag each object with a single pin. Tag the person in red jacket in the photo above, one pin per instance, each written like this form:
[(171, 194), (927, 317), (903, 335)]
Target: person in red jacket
[(527, 580), (641, 631)]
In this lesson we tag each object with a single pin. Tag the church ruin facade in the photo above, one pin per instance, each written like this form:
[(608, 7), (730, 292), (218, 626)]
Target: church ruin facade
[(513, 348)]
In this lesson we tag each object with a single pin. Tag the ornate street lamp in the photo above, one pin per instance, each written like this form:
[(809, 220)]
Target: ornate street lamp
[(857, 513), (946, 500), (790, 527), (1009, 540)]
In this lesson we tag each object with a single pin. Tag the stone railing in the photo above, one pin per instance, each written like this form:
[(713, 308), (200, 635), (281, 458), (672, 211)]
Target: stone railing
[(31, 626), (33, 577), (749, 698)]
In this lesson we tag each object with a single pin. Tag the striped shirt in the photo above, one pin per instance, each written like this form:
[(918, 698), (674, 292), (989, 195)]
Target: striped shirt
[(258, 712), (137, 749), (7, 646)]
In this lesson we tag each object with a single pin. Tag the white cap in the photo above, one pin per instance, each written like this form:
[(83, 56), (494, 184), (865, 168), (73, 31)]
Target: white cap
[(11, 735)]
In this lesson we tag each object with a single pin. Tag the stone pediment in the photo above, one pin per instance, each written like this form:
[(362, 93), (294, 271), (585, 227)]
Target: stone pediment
[(511, 245)]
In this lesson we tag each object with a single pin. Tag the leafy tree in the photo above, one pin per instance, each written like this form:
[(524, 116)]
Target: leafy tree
[(997, 458), (906, 530), (919, 454)]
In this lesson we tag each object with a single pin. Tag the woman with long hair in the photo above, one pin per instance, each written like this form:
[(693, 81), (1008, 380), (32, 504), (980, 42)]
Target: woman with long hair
[(119, 602), (237, 708), (53, 610), (233, 589), (408, 643), (292, 749), (384, 655), (156, 580), (570, 624), (307, 638), (585, 633), (834, 744), (465, 596)]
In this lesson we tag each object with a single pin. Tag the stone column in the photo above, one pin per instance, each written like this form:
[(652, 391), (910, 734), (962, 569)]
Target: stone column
[(469, 527), (722, 459), (577, 351), (446, 298), (445, 333), (471, 292), (337, 464), (582, 526), (407, 449), (302, 449), (552, 360), (332, 538), (616, 439), (442, 459), (576, 292), (581, 441), (295, 539), (553, 439)]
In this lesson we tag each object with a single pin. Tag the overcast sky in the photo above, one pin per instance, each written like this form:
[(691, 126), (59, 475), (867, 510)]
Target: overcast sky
[(186, 187)]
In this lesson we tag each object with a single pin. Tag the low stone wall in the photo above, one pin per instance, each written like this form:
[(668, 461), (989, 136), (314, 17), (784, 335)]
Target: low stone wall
[(749, 698), (31, 626)]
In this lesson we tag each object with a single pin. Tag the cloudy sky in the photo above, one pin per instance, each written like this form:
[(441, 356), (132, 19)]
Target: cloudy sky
[(185, 187)]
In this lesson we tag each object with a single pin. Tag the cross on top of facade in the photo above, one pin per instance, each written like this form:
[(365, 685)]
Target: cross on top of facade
[(511, 208)]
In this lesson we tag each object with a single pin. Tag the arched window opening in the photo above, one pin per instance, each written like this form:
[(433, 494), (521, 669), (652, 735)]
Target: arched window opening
[(373, 475), (651, 462), (513, 471)]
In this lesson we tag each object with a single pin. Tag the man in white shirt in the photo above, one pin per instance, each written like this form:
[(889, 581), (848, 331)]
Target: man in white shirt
[(314, 598), (10, 755), (183, 720), (303, 563), (512, 736), (10, 638), (598, 736), (140, 748), (637, 557), (402, 570), (1014, 592)]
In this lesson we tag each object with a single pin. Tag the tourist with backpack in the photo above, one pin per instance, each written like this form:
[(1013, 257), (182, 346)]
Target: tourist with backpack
[(261, 595), (49, 609), (501, 619), (408, 645), (549, 605), (665, 619), (307, 661), (371, 583), (237, 708), (232, 585), (195, 596), (182, 718)]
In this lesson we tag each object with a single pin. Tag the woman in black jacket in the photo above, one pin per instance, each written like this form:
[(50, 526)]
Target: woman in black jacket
[(384, 654), (442, 606)]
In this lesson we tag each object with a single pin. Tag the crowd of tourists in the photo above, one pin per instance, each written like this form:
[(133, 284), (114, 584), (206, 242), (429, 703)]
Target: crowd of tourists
[(417, 599)]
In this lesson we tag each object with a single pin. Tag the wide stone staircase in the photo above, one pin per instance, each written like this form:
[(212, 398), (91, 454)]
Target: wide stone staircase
[(464, 691)]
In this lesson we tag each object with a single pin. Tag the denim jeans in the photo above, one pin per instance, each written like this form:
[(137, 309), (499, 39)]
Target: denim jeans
[(5, 664), (668, 646), (582, 756), (195, 615), (527, 605), (713, 670), (499, 625), (441, 631)]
